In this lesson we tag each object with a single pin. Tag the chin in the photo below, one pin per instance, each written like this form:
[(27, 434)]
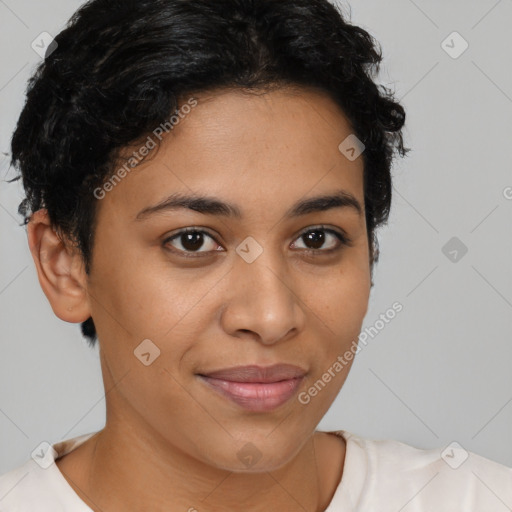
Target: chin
[(256, 455)]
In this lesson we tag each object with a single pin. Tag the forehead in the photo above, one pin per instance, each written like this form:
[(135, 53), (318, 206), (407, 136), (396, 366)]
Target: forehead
[(248, 148)]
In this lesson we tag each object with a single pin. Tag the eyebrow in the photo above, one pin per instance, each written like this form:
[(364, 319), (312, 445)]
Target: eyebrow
[(213, 206)]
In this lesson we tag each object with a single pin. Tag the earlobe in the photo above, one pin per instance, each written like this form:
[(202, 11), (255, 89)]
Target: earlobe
[(59, 268)]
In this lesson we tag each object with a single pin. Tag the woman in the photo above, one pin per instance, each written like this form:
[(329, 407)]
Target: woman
[(204, 180)]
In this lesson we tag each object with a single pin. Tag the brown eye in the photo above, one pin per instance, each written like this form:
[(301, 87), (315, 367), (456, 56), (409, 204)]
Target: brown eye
[(191, 241), (316, 238)]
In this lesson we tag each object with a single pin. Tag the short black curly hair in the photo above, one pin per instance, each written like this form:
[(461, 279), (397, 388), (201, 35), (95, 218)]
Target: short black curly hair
[(119, 68)]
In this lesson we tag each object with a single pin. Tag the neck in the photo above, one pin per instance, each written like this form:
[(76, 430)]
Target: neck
[(118, 469)]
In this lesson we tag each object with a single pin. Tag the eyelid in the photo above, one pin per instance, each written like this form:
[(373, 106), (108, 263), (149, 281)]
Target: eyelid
[(190, 229), (341, 234)]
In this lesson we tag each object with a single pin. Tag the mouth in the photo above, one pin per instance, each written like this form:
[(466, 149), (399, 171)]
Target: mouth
[(256, 388)]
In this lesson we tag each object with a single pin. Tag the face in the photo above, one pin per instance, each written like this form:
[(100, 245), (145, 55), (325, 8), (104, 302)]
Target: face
[(179, 293)]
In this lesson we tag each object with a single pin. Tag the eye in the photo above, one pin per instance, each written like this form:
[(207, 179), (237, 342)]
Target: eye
[(189, 240), (316, 237)]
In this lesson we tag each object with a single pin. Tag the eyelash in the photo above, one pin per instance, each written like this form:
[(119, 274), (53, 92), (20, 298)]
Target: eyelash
[(344, 240)]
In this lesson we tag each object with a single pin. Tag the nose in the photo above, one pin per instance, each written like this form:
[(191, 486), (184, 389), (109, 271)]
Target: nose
[(263, 304)]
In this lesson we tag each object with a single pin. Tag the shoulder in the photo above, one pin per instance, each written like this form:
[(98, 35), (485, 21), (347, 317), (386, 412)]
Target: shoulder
[(20, 488), (38, 483), (445, 478)]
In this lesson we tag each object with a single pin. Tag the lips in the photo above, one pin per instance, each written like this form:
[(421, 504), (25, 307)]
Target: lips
[(255, 373), (256, 388)]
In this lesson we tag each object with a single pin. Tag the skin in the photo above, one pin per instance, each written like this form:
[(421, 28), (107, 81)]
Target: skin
[(170, 442)]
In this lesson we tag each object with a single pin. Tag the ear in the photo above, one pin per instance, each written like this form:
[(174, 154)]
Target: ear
[(374, 252), (60, 270)]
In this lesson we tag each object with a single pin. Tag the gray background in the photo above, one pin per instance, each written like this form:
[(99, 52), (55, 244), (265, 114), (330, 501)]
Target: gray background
[(440, 370)]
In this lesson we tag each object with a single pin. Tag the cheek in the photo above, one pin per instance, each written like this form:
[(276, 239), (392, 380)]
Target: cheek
[(338, 308), (145, 298), (340, 300)]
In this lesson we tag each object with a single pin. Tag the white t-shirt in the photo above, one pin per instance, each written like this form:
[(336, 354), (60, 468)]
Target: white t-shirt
[(378, 476)]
